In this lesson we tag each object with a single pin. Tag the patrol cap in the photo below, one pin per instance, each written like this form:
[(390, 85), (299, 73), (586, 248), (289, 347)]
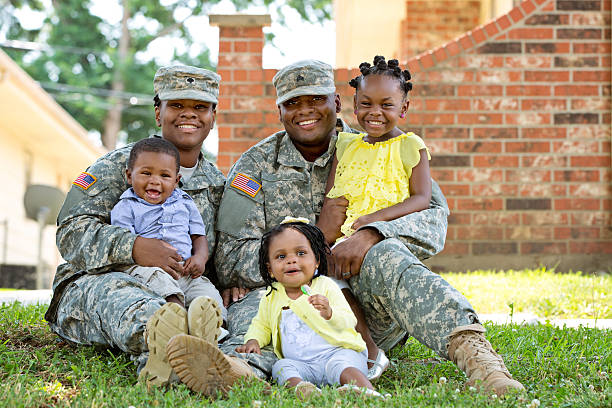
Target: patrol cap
[(307, 77), (185, 82)]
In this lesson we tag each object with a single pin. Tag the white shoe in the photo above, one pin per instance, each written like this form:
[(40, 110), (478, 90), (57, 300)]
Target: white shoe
[(378, 366), (346, 388)]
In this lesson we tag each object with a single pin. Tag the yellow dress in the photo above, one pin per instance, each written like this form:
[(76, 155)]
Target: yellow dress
[(374, 176)]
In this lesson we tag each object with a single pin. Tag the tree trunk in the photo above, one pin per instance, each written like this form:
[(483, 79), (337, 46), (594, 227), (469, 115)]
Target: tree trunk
[(112, 122)]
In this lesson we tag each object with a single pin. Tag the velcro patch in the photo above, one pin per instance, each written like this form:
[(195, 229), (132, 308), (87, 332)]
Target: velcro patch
[(246, 184), (85, 180)]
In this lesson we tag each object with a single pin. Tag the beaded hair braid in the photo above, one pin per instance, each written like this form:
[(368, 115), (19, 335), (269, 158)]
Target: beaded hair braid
[(382, 67)]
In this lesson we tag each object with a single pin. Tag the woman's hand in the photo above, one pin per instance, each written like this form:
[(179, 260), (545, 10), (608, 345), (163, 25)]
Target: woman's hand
[(234, 294)]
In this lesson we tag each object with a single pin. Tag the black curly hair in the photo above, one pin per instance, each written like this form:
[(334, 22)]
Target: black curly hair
[(382, 67), (154, 145), (314, 236)]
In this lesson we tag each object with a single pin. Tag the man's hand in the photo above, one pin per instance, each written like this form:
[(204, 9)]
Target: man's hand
[(333, 215), (251, 346), (321, 303), (233, 295), (155, 252), (348, 254), (195, 266)]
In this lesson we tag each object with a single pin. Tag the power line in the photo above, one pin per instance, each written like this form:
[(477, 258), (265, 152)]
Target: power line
[(131, 97), (76, 98), (36, 46)]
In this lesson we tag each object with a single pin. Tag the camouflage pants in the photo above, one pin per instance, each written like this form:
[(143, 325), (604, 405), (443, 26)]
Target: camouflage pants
[(399, 295), (239, 319), (109, 310)]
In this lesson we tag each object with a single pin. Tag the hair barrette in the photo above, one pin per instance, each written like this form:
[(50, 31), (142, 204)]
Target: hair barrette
[(289, 219)]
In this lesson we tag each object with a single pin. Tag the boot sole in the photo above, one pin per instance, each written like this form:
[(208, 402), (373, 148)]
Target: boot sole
[(204, 319), (200, 365), (167, 322)]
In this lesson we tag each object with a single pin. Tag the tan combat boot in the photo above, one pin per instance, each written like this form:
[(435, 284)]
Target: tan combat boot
[(204, 319), (472, 352), (203, 367), (168, 321)]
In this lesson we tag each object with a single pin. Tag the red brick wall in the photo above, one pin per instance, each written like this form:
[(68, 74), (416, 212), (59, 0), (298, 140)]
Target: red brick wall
[(431, 23), (517, 116)]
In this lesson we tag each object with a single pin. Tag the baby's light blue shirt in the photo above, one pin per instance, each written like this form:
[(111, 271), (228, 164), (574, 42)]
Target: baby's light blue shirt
[(173, 221)]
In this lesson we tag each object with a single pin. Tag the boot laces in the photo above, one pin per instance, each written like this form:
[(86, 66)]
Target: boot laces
[(484, 354)]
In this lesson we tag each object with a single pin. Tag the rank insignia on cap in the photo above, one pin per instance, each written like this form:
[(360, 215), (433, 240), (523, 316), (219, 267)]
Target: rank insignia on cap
[(85, 180), (246, 184)]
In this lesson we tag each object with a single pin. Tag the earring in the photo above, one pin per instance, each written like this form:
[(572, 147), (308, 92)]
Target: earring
[(316, 272), (355, 111), (402, 115)]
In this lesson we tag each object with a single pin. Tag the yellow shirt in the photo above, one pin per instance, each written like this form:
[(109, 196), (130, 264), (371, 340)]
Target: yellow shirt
[(374, 176), (337, 331)]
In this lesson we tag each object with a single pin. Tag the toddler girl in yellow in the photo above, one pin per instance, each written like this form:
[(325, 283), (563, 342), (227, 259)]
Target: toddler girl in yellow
[(383, 173)]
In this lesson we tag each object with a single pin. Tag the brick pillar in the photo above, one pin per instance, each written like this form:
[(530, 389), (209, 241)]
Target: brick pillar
[(246, 111), (429, 24)]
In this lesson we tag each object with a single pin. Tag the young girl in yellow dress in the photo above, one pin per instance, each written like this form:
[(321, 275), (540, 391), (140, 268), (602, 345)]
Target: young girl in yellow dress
[(384, 172)]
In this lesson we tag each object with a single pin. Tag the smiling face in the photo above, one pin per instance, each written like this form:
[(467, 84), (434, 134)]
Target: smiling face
[(379, 102), (310, 121), (185, 122), (292, 262), (153, 176)]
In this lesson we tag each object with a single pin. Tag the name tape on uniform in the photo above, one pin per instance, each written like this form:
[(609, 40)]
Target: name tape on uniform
[(246, 184)]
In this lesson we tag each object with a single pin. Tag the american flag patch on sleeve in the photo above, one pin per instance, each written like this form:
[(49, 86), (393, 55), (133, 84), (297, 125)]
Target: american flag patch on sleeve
[(85, 180), (246, 184)]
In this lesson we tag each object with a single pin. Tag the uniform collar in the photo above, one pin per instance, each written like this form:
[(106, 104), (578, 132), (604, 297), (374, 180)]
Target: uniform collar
[(289, 156), (199, 178)]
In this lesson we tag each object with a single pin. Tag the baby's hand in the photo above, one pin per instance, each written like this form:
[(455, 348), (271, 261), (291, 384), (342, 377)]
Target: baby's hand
[(251, 346), (321, 303), (361, 221), (195, 266)]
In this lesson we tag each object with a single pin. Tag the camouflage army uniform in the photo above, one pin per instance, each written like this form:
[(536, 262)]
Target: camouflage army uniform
[(397, 292), (91, 303)]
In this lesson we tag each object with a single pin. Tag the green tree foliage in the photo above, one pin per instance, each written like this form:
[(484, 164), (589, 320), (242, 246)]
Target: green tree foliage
[(101, 72)]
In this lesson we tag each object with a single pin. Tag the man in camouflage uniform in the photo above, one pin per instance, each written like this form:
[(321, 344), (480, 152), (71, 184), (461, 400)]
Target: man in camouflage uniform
[(285, 175), (92, 303)]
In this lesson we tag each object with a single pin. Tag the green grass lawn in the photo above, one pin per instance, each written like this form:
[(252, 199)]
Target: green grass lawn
[(539, 291), (559, 367)]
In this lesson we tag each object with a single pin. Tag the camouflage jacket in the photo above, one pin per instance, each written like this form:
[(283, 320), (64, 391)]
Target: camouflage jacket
[(88, 242), (287, 184)]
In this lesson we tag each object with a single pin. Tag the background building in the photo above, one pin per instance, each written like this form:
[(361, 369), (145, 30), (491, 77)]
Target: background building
[(39, 144), (402, 29)]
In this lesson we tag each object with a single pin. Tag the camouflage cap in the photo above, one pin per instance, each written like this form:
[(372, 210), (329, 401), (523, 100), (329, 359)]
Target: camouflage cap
[(308, 77), (185, 82)]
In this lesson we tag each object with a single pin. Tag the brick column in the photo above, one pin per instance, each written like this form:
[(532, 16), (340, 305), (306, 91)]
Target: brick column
[(246, 111), (431, 23)]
